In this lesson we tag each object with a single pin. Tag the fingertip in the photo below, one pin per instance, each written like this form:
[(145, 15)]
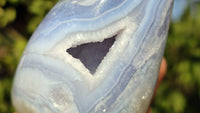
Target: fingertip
[(163, 70)]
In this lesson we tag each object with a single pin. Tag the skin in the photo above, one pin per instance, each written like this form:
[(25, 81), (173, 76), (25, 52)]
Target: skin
[(162, 73)]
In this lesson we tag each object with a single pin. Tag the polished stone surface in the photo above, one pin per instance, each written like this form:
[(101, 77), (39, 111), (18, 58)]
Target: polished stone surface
[(64, 70)]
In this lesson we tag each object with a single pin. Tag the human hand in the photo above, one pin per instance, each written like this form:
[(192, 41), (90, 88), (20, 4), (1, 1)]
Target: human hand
[(162, 72)]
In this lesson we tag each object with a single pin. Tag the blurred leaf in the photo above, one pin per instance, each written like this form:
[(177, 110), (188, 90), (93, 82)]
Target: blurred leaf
[(7, 17), (5, 86), (196, 72), (185, 75), (39, 7), (2, 2), (1, 12), (13, 1), (177, 102), (33, 23)]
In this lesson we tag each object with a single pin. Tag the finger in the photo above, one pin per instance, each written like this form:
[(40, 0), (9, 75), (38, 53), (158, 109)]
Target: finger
[(162, 72)]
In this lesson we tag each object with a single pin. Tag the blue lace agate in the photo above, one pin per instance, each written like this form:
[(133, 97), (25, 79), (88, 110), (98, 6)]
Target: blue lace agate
[(93, 56)]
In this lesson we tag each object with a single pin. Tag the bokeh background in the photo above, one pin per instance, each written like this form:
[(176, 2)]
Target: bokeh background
[(178, 93)]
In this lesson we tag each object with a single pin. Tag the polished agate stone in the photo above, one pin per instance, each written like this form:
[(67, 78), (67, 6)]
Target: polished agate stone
[(93, 56)]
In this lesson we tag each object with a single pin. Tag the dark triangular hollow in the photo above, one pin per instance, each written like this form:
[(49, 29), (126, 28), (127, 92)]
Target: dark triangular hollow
[(91, 54)]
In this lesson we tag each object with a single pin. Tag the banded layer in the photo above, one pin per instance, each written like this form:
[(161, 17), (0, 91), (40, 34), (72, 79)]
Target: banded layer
[(54, 77)]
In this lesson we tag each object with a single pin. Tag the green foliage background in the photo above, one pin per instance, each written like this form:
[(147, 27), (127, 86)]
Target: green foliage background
[(180, 90), (178, 93)]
